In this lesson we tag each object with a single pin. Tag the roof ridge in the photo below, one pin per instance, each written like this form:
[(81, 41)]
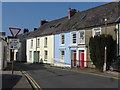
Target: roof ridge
[(96, 7)]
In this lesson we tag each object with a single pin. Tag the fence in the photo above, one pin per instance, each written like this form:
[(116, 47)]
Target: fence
[(82, 64)]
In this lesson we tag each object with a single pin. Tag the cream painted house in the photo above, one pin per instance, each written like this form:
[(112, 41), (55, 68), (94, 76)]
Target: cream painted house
[(44, 46)]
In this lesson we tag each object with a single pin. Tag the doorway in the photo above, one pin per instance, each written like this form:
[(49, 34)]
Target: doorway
[(36, 56), (73, 58), (81, 58)]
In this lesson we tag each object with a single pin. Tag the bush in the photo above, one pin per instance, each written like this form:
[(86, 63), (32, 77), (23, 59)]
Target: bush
[(97, 50)]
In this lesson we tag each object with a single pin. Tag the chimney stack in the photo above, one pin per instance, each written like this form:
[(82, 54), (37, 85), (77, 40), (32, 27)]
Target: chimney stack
[(42, 22), (35, 29), (26, 30), (71, 12)]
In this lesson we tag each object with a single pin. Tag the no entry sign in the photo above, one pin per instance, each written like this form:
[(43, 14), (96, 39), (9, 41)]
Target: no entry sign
[(14, 44)]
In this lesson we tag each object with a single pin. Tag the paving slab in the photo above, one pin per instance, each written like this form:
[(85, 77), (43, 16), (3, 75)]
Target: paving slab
[(17, 80)]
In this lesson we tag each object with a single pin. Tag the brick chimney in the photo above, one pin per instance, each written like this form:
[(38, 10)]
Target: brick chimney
[(71, 12), (26, 30), (42, 22)]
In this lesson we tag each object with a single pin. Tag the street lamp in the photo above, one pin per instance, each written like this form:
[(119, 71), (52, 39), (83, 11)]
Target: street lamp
[(105, 55)]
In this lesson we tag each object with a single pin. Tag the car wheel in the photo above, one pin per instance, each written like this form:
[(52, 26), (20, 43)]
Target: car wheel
[(111, 68)]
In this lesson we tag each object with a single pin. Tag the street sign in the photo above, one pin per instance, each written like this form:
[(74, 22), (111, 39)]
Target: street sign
[(14, 44), (14, 31)]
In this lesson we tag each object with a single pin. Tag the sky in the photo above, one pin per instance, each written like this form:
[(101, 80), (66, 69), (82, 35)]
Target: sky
[(28, 14)]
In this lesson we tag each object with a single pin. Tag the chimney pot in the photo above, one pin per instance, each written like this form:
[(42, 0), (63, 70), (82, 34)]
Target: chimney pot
[(71, 12), (26, 30), (42, 22), (35, 29)]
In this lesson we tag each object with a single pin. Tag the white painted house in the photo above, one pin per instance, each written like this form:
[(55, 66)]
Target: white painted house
[(4, 55)]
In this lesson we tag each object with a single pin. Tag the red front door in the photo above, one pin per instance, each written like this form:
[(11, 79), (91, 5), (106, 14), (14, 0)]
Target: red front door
[(81, 58)]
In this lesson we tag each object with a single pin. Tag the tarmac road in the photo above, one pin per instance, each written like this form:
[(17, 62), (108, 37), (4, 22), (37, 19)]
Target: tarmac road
[(56, 78)]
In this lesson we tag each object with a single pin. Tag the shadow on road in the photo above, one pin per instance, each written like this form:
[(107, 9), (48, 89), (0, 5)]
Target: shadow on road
[(24, 66), (9, 81)]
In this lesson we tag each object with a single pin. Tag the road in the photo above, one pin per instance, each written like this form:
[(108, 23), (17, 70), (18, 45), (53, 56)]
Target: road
[(57, 78)]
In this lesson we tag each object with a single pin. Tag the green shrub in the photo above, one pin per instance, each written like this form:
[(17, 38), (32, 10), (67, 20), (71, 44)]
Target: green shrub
[(97, 50)]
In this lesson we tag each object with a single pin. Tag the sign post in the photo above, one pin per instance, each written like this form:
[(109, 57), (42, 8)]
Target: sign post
[(14, 43)]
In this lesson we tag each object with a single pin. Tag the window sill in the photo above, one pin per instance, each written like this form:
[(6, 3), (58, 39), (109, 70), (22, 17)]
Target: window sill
[(62, 44), (81, 43), (73, 44), (45, 59)]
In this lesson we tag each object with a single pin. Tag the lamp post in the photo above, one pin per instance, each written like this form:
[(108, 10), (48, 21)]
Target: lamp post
[(105, 54)]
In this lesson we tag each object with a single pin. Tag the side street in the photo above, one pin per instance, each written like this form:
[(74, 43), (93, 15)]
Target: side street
[(80, 50)]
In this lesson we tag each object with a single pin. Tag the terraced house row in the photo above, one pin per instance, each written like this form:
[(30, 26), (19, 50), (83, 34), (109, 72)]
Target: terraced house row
[(65, 41)]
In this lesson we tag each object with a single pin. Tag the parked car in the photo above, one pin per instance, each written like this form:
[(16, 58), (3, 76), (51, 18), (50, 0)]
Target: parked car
[(115, 66)]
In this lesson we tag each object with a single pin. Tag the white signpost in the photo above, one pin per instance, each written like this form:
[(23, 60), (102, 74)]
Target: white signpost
[(14, 44)]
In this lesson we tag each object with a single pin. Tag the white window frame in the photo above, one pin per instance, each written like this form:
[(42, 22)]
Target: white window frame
[(62, 39), (72, 38), (80, 37), (32, 43), (30, 55), (46, 56), (94, 31), (62, 57)]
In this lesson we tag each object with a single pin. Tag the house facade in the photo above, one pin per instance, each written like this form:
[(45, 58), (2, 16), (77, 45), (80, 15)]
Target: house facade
[(4, 55), (72, 48), (40, 49), (72, 44), (65, 42)]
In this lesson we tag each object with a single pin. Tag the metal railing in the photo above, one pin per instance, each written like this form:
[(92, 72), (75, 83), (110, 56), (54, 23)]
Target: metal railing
[(82, 64)]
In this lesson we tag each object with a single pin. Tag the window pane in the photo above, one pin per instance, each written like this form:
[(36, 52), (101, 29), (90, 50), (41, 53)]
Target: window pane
[(45, 41), (74, 38), (62, 54), (46, 54), (97, 31), (62, 39), (82, 37)]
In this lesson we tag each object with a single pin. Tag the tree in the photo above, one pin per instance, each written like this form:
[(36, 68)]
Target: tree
[(97, 50)]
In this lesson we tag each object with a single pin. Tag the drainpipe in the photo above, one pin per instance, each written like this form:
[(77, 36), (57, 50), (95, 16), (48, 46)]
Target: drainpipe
[(36, 50), (118, 38)]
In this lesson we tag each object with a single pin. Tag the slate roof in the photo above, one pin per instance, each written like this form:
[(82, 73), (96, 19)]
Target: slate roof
[(81, 20), (93, 17), (23, 37)]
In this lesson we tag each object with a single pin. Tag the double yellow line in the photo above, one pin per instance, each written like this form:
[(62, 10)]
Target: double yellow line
[(32, 81)]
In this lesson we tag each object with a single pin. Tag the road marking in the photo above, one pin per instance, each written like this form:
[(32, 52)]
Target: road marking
[(32, 81)]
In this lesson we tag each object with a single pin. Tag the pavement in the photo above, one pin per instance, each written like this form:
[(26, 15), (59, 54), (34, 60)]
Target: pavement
[(15, 81)]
